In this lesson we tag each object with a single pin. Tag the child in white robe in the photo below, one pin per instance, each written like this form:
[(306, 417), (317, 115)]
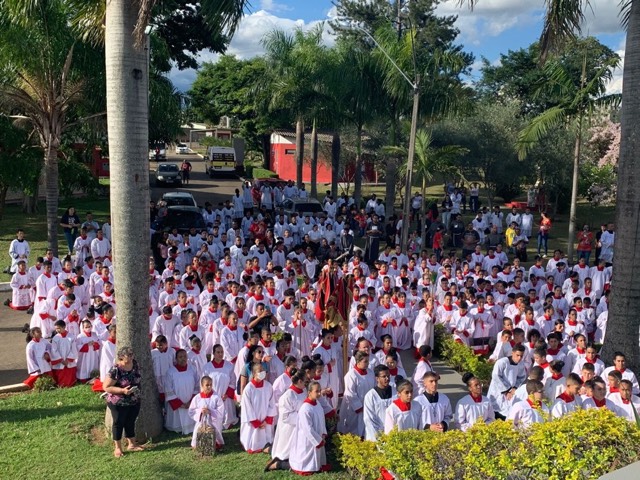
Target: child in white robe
[(21, 286), (283, 382), (207, 409), (181, 384), (358, 381), (307, 454), (473, 407), (258, 413), (508, 374), (403, 413), (288, 406), (163, 359), (569, 400), (38, 356), (196, 356), (107, 358), (88, 346), (423, 328), (423, 366), (437, 414), (327, 355), (532, 410), (224, 384), (628, 404), (64, 356), (376, 402)]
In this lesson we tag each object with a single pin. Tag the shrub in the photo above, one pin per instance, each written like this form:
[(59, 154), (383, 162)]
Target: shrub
[(262, 173), (44, 383), (461, 357), (580, 446)]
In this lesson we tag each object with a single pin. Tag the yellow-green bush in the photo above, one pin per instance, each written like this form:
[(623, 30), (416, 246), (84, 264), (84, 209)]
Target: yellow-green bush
[(461, 357), (581, 446)]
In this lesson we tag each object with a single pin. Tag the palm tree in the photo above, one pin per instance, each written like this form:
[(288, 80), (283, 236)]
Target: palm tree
[(127, 116), (429, 161), (296, 82), (41, 81), (576, 102), (563, 21), (357, 83)]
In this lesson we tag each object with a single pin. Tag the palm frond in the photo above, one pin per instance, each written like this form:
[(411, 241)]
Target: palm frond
[(563, 20), (625, 12), (538, 128)]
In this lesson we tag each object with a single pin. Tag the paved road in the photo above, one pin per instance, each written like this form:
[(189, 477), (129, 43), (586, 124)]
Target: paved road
[(12, 340)]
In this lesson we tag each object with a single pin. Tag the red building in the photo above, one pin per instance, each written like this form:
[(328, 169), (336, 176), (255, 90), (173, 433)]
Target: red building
[(283, 159)]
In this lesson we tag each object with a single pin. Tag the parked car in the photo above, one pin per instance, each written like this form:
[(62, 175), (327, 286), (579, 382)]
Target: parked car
[(302, 207), (181, 148), (168, 174), (179, 198), (182, 217)]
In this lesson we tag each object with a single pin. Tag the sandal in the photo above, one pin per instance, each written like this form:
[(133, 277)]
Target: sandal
[(267, 449)]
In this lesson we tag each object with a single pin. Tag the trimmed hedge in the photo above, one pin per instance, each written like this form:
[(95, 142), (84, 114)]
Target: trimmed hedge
[(460, 357), (584, 445)]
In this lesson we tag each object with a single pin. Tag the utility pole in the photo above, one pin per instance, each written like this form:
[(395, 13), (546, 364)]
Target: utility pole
[(406, 211)]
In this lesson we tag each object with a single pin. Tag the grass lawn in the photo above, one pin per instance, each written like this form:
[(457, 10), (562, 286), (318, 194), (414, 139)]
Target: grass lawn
[(60, 434)]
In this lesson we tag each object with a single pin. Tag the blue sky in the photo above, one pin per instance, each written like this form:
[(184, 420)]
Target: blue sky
[(494, 27)]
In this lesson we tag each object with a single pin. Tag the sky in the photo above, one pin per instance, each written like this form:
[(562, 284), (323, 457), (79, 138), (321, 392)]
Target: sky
[(492, 28)]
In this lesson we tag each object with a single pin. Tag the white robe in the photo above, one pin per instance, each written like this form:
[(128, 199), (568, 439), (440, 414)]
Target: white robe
[(374, 412), (232, 342), (626, 410), (468, 412), (213, 418), (288, 406), (356, 387), (422, 367), (504, 377), (396, 418), (436, 412), (305, 456), (423, 329), (36, 363), (280, 386), (21, 291), (224, 383), (524, 415), (328, 354), (88, 360), (257, 406), (162, 362), (107, 358), (563, 405), (180, 386)]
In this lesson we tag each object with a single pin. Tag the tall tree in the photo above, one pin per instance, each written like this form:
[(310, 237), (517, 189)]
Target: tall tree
[(296, 81), (127, 113), (42, 80), (564, 20)]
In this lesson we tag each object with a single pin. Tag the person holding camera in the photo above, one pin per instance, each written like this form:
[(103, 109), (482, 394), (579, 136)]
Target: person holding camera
[(122, 386)]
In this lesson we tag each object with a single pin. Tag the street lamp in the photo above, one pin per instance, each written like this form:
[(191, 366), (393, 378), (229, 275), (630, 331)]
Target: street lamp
[(415, 89)]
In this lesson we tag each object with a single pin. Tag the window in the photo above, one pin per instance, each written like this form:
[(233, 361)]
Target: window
[(290, 151)]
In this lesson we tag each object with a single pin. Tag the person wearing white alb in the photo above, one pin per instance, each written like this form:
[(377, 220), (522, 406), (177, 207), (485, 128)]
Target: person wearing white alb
[(376, 402), (437, 414)]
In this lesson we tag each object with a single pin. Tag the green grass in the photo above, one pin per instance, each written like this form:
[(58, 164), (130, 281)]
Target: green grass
[(35, 226), (60, 434)]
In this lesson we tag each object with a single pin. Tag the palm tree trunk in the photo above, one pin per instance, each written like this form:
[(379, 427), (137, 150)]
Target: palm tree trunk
[(574, 192), (127, 117), (624, 323), (391, 170), (314, 160), (299, 150), (51, 190), (357, 193), (335, 164)]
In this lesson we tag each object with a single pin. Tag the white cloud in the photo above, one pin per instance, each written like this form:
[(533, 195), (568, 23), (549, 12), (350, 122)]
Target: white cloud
[(272, 6), (246, 42), (604, 17)]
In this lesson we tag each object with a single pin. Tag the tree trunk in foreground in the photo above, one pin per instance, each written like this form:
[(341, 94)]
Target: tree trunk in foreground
[(127, 117), (299, 151), (314, 161), (51, 190), (357, 177), (624, 322), (335, 164)]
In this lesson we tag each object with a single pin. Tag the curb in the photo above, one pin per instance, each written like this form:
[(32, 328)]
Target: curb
[(5, 287), (18, 387)]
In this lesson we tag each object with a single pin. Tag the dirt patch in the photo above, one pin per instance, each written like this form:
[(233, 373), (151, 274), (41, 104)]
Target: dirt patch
[(98, 435)]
